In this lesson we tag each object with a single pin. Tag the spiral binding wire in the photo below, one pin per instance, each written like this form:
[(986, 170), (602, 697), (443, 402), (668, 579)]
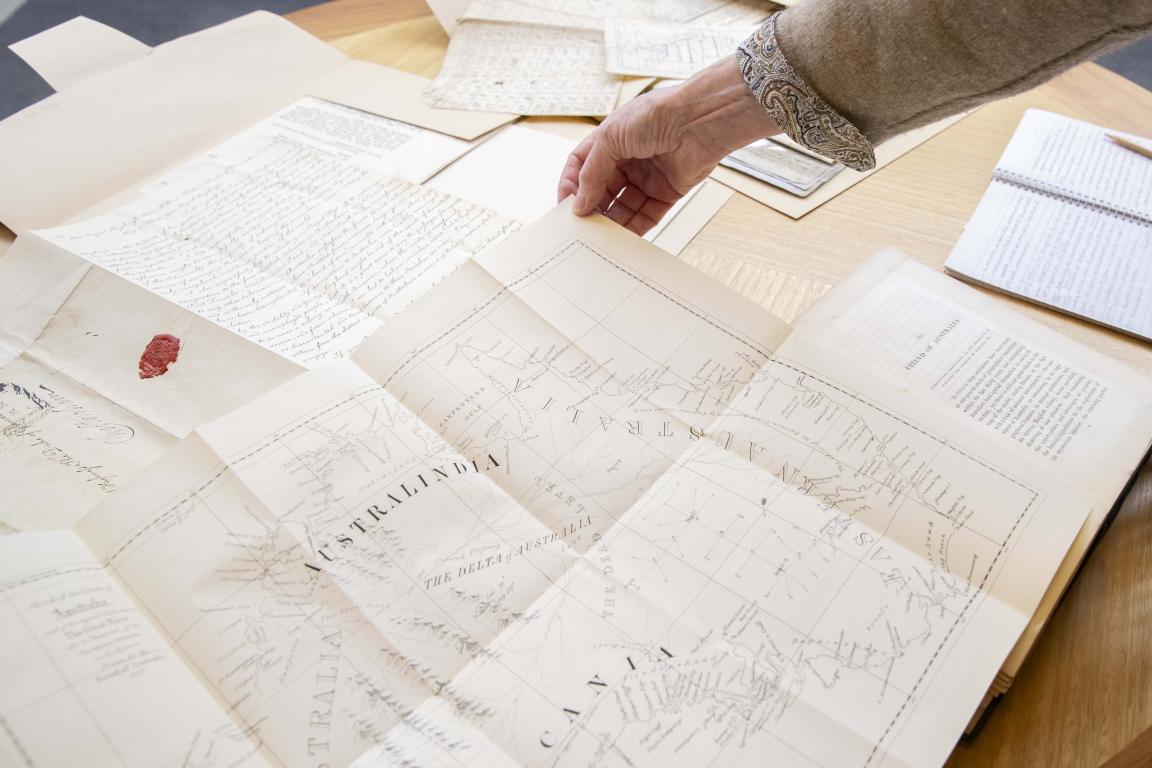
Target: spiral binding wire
[(1071, 196)]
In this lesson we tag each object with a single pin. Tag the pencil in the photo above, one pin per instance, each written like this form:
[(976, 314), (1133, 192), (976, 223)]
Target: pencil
[(1131, 145)]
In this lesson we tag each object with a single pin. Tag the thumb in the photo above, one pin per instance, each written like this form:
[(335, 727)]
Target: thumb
[(594, 175)]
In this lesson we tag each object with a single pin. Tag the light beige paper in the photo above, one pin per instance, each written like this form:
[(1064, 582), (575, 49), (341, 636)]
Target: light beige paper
[(675, 232), (81, 333), (132, 123), (448, 12), (1067, 223), (654, 49), (794, 206), (525, 70), (1019, 384), (294, 233), (75, 415), (575, 484), (515, 174), (88, 679), (77, 49), (589, 15)]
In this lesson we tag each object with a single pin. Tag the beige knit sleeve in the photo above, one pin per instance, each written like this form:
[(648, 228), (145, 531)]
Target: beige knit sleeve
[(794, 106), (887, 66)]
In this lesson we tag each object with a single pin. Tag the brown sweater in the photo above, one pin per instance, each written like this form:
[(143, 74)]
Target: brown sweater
[(892, 65)]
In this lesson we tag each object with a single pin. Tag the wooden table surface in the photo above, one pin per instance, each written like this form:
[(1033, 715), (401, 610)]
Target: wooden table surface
[(1086, 690)]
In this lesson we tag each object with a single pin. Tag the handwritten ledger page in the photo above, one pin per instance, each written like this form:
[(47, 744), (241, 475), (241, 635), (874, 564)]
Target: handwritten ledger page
[(1066, 222), (303, 216), (578, 502), (667, 50), (525, 70)]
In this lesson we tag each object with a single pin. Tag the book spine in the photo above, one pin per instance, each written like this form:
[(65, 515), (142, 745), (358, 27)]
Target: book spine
[(1073, 197)]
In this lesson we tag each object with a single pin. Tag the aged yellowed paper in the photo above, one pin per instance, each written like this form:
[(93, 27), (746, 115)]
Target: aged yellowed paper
[(519, 517)]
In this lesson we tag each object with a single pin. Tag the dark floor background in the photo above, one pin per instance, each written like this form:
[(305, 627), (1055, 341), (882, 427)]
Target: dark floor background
[(156, 21)]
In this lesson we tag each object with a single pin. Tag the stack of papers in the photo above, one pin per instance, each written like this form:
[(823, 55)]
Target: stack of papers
[(783, 163), (540, 57)]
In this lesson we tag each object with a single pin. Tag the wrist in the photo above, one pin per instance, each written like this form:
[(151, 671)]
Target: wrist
[(717, 106)]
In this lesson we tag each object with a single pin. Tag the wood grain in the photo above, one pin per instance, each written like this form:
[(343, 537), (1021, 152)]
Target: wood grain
[(1138, 754), (1086, 690)]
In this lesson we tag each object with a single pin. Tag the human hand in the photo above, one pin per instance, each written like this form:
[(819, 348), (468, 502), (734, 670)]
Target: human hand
[(647, 155)]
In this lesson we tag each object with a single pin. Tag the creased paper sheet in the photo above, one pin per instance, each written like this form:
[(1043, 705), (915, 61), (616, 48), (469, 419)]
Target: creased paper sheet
[(79, 654), (293, 234), (796, 207), (77, 420), (637, 47), (573, 484), (77, 49), (526, 70), (118, 128), (1070, 408)]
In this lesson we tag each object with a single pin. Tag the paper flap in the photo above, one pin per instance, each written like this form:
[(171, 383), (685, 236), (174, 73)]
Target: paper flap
[(400, 96), (77, 49), (119, 127)]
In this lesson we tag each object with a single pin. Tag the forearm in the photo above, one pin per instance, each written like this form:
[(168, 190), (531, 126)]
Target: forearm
[(888, 66), (716, 107)]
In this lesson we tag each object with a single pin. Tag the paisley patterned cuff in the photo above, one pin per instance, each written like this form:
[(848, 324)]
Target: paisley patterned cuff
[(795, 107)]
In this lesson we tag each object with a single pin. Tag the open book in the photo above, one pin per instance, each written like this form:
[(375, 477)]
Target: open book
[(1066, 222), (581, 505)]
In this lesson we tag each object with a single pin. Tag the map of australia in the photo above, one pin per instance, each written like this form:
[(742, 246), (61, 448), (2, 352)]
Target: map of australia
[(559, 514)]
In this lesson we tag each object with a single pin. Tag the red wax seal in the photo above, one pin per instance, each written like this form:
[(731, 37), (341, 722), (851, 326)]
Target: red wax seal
[(160, 353)]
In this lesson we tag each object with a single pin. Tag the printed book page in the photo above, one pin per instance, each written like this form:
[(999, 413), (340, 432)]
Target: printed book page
[(525, 70), (1069, 407), (1077, 160), (508, 532), (1022, 386), (642, 47), (291, 234), (1079, 259)]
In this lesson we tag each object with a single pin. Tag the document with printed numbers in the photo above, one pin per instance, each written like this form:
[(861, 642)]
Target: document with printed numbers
[(295, 234), (525, 70), (667, 50), (1067, 223), (578, 495)]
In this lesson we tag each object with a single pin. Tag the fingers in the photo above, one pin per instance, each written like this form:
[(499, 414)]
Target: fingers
[(617, 183), (636, 211), (570, 176), (599, 168)]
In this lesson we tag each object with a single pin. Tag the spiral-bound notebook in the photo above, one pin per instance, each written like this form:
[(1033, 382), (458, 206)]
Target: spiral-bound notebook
[(1067, 223)]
